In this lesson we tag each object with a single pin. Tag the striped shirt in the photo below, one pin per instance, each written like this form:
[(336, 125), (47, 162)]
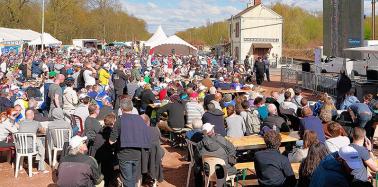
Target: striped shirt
[(194, 110)]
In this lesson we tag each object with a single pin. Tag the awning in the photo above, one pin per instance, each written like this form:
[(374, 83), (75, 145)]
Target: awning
[(262, 45)]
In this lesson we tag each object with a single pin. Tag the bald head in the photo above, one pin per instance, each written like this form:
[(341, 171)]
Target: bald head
[(29, 114), (272, 109), (218, 97)]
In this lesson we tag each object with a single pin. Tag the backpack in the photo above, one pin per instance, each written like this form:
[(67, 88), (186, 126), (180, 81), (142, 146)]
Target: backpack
[(252, 122)]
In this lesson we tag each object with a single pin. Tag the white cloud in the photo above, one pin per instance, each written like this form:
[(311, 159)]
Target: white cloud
[(185, 14)]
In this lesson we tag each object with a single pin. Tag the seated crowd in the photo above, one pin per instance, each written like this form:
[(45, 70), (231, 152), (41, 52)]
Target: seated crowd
[(125, 118)]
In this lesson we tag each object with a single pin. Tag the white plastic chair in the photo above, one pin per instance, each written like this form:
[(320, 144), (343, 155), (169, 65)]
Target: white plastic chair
[(191, 164), (212, 162), (58, 144), (22, 144)]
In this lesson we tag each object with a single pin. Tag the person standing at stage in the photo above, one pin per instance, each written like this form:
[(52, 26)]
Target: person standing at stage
[(259, 69), (343, 86)]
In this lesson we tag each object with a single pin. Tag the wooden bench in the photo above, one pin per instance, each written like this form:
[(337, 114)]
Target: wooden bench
[(245, 166), (250, 166)]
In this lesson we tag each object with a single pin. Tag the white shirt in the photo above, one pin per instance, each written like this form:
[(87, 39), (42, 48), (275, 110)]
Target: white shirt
[(134, 111), (334, 144), (3, 67), (45, 68), (88, 78)]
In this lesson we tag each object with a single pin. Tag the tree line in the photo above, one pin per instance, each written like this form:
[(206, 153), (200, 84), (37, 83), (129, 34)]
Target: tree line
[(70, 19)]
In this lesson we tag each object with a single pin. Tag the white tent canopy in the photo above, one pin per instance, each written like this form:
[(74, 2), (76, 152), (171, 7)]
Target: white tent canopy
[(47, 40), (179, 45), (5, 37), (22, 35), (156, 39)]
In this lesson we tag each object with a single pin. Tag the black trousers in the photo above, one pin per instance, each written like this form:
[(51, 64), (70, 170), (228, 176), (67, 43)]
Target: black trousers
[(259, 80)]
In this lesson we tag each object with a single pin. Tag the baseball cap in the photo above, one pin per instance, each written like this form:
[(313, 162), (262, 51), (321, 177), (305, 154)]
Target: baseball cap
[(52, 73), (351, 157), (207, 127), (76, 141), (193, 95)]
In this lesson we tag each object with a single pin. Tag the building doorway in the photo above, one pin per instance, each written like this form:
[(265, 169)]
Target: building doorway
[(261, 49)]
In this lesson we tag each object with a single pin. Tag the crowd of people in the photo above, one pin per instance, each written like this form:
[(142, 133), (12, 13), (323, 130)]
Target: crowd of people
[(114, 93)]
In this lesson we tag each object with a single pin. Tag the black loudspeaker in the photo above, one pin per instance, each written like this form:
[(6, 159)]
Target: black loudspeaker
[(306, 67), (372, 75)]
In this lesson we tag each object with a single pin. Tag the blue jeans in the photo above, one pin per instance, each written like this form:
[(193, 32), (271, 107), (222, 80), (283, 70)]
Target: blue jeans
[(363, 119), (130, 172)]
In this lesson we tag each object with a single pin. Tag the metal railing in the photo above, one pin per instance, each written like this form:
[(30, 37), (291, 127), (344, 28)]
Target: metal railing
[(309, 80), (289, 75)]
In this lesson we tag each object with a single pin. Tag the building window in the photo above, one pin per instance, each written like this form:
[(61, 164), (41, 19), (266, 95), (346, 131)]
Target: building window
[(237, 30)]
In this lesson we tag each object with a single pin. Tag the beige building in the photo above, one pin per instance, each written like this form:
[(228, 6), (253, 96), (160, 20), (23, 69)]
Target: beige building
[(256, 31)]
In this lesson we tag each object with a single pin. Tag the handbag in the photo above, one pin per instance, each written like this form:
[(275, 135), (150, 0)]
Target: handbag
[(231, 159)]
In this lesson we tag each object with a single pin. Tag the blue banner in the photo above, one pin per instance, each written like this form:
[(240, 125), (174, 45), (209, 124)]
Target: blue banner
[(8, 49)]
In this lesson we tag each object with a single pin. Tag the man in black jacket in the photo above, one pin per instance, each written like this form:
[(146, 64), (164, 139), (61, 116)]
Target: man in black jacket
[(259, 68), (343, 86), (176, 114), (77, 168), (273, 121), (119, 81), (273, 168)]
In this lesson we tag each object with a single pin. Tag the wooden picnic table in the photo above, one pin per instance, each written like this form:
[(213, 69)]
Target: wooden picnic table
[(257, 141), (233, 91)]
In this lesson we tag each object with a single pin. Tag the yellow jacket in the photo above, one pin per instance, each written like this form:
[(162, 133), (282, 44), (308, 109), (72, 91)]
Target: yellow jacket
[(103, 77)]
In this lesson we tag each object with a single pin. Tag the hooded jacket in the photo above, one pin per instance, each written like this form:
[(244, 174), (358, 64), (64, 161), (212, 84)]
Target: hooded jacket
[(329, 173), (215, 118), (210, 146)]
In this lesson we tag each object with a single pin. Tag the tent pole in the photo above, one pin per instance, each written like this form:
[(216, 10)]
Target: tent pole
[(43, 23)]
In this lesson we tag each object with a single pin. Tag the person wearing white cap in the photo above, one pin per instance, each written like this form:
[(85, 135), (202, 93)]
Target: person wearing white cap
[(336, 168), (216, 145), (77, 168)]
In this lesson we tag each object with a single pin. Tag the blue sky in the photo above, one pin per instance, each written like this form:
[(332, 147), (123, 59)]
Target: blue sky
[(176, 15)]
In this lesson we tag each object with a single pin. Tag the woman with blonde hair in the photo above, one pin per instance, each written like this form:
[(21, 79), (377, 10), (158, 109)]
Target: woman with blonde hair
[(329, 106)]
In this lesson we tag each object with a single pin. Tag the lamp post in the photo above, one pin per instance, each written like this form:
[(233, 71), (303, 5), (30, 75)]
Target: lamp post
[(43, 23)]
